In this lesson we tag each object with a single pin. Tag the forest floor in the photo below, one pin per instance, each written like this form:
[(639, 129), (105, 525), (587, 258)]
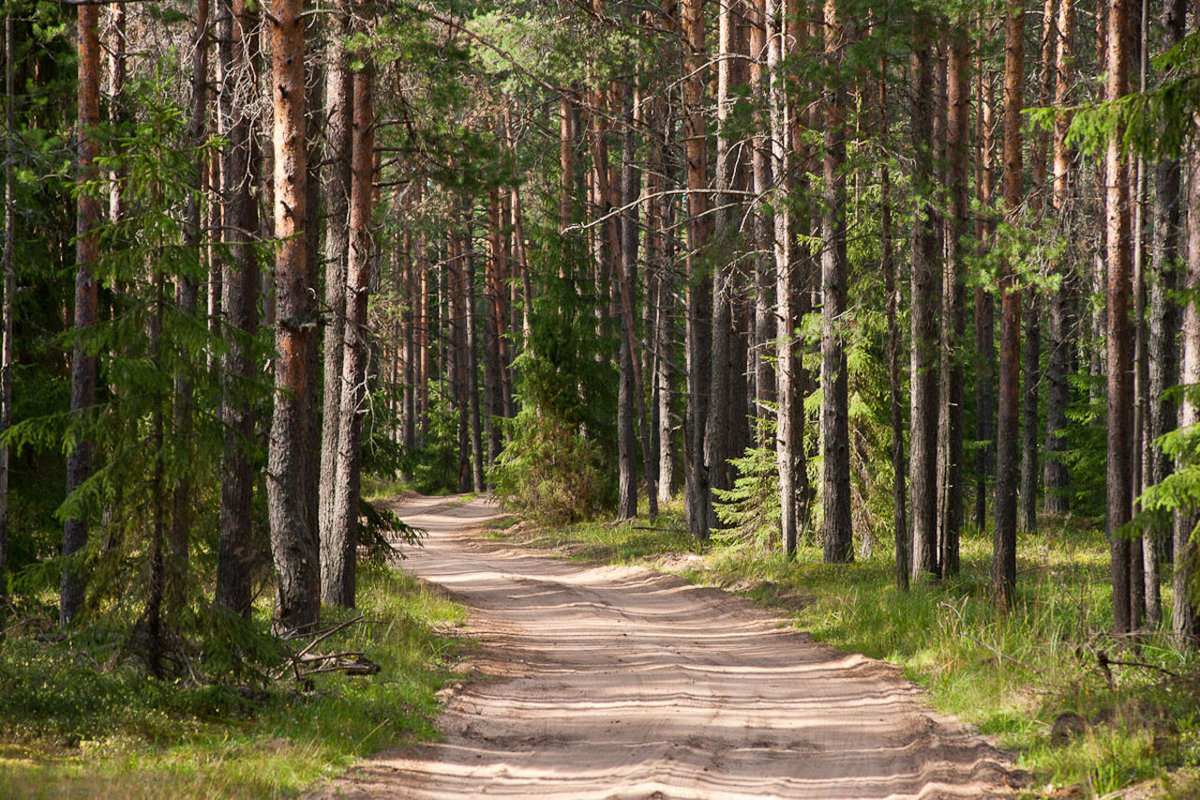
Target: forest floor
[(602, 681)]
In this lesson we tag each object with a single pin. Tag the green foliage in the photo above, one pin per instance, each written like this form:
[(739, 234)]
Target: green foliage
[(1010, 673), (1085, 454), (435, 467), (147, 444), (69, 728), (1157, 123), (749, 512), (549, 471)]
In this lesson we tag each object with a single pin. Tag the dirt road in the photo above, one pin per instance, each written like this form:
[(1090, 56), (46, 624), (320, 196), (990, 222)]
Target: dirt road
[(619, 682)]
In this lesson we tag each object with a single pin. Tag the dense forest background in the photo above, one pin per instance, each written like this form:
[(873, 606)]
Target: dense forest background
[(847, 275)]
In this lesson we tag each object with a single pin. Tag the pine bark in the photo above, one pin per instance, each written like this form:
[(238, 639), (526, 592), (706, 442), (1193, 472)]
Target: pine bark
[(474, 415), (1062, 305), (294, 535), (697, 497), (10, 289), (717, 429), (950, 390), (892, 282), (1032, 308), (788, 433), (1004, 537), (83, 364), (764, 312), (491, 346), (339, 105), (924, 361), (241, 277), (838, 535), (187, 289), (1185, 615), (665, 323), (625, 261), (985, 307), (1163, 354), (338, 566), (1120, 333)]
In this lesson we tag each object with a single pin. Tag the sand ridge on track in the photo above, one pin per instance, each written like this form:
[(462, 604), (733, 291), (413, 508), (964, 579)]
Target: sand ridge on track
[(620, 682)]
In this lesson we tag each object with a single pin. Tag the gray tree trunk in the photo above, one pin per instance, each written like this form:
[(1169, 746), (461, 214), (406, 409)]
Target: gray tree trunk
[(924, 304), (838, 535), (83, 365), (339, 105), (235, 549)]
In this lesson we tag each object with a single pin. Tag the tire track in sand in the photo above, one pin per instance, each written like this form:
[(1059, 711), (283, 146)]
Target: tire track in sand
[(619, 682)]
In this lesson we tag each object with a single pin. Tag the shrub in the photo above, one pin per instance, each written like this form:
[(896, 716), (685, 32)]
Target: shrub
[(549, 471)]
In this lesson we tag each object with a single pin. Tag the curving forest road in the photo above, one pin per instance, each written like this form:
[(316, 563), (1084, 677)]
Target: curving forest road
[(620, 682)]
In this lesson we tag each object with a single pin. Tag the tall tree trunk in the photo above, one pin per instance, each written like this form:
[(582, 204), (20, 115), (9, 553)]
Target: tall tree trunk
[(158, 511), (627, 281), (924, 405), (838, 535), (1033, 301), (473, 411), (892, 279), (294, 537), (343, 549), (1140, 454), (788, 430), (241, 278), (1164, 331), (985, 307), (491, 346), (697, 500), (83, 364), (1120, 332), (116, 49), (187, 290), (717, 428), (625, 261), (1184, 614), (665, 325), (1004, 537), (339, 109), (10, 290), (950, 390), (216, 181), (1098, 280), (457, 280), (764, 311), (1058, 364)]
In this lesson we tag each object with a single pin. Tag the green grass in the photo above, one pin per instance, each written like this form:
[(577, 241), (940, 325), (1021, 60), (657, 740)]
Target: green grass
[(1010, 673), (68, 729)]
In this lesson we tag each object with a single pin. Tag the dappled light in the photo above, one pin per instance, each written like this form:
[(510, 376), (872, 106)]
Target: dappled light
[(617, 682)]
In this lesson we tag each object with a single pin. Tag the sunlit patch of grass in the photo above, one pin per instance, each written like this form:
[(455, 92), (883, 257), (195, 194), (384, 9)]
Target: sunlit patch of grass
[(1012, 673), (68, 730), (621, 543)]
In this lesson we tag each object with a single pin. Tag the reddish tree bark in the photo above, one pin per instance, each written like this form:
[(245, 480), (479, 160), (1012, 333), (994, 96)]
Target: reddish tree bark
[(1120, 332), (1004, 537), (950, 390), (294, 539)]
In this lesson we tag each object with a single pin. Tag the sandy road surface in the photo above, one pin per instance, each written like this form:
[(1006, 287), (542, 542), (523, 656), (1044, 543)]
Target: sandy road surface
[(618, 682)]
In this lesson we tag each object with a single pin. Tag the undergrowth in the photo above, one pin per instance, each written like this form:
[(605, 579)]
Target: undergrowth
[(1032, 677), (76, 722)]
